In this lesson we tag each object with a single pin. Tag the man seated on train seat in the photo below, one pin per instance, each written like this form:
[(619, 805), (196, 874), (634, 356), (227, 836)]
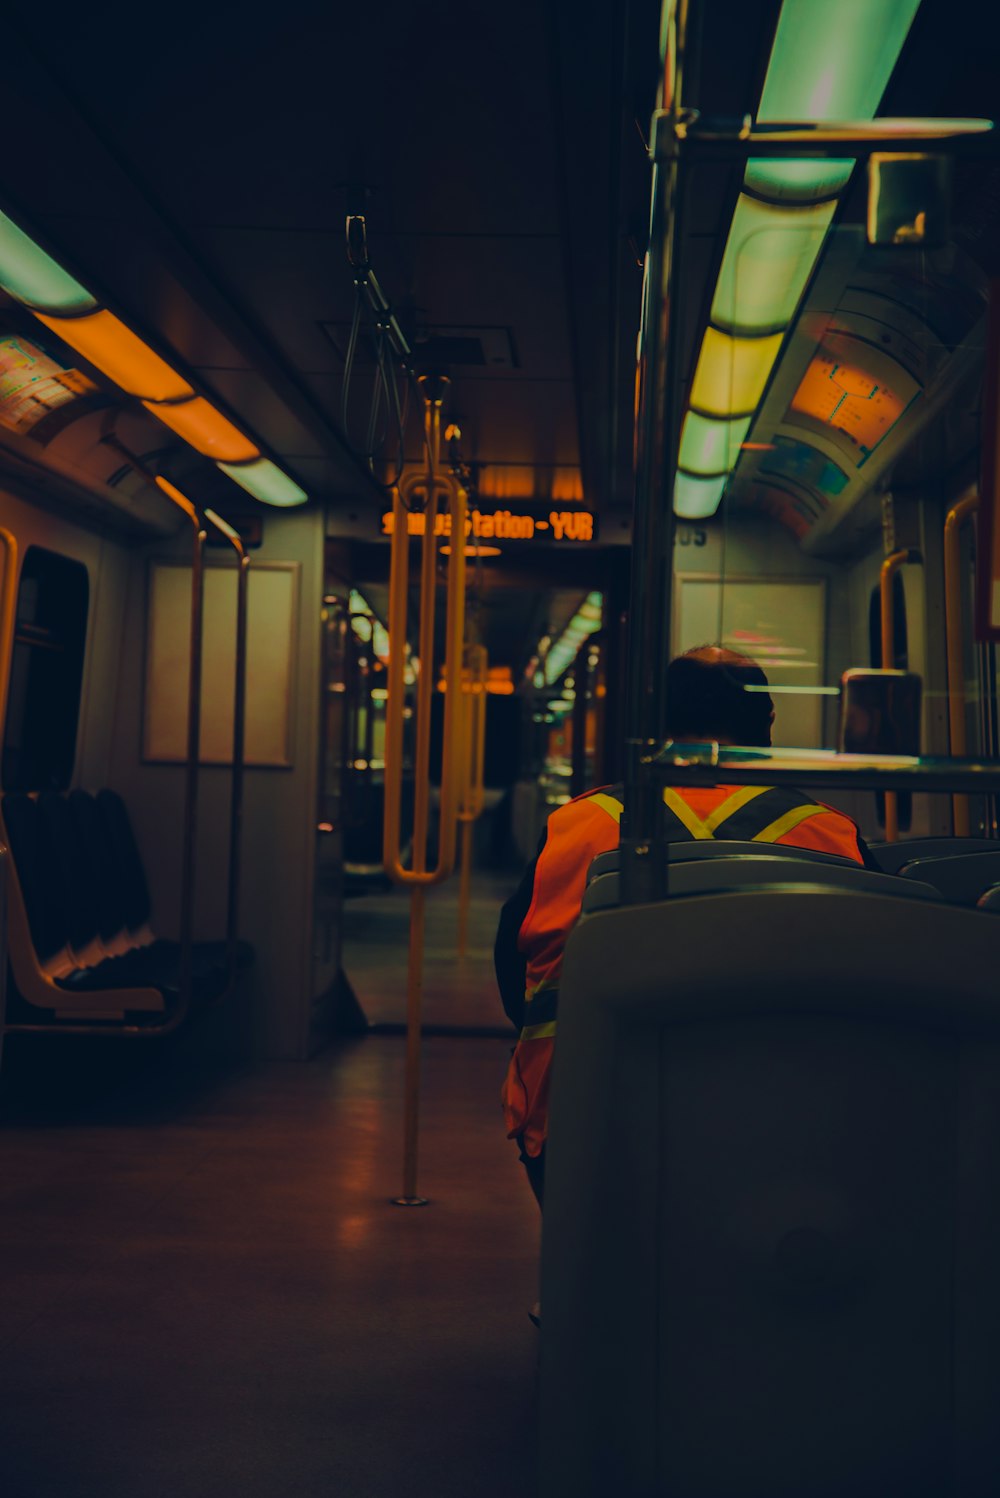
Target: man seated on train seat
[(706, 701)]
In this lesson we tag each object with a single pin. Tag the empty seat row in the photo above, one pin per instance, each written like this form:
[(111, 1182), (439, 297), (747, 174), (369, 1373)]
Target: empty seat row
[(717, 847), (703, 876), (80, 917), (963, 871)]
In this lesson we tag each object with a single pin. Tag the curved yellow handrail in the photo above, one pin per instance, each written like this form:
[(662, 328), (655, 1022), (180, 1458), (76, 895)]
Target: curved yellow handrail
[(454, 629), (419, 876), (957, 741)]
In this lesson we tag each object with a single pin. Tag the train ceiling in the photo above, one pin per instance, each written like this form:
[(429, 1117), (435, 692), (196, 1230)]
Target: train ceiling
[(199, 180)]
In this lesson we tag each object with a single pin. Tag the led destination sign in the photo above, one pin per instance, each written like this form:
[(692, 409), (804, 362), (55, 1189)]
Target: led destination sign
[(506, 525)]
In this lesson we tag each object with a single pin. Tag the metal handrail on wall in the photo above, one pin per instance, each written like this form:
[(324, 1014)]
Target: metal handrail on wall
[(239, 741), (419, 877)]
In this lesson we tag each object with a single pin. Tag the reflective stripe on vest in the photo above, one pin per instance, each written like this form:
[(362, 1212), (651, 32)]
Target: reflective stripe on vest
[(756, 825)]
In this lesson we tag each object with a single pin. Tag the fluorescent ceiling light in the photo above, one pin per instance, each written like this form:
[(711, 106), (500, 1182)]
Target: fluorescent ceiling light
[(732, 372), (698, 498), (68, 309), (833, 61), (584, 622), (33, 277), (796, 181), (828, 63), (710, 446), (206, 429), (769, 257), (266, 482), (117, 352)]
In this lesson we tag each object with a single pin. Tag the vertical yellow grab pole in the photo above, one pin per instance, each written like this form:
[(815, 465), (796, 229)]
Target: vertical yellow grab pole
[(470, 781), (954, 520), (418, 877), (890, 567)]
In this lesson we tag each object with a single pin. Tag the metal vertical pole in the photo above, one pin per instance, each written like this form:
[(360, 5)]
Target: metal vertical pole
[(650, 602), (464, 886), (957, 740), (239, 731), (890, 567), (190, 851)]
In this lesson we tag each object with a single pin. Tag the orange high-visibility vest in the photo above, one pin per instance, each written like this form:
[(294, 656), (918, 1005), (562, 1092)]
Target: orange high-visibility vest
[(576, 834)]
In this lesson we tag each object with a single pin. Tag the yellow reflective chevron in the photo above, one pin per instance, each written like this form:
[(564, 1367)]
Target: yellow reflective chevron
[(613, 808), (539, 1032), (784, 824), (732, 805), (684, 814)]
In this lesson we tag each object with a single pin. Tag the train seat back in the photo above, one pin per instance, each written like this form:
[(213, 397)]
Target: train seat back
[(891, 857), (86, 906), (961, 878), (771, 1221), (697, 849), (701, 876)]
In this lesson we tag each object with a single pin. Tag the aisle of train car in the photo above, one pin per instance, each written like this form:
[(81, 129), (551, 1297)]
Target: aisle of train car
[(207, 1290), (459, 994)]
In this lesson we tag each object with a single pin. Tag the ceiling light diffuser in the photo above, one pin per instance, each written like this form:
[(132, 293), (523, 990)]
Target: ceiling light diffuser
[(710, 446), (769, 257), (117, 352), (206, 429), (31, 276), (797, 181), (732, 373), (832, 62), (698, 498), (266, 482)]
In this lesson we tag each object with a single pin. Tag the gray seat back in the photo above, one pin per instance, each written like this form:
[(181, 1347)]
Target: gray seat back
[(891, 857), (772, 1221), (706, 875), (961, 878), (699, 848)]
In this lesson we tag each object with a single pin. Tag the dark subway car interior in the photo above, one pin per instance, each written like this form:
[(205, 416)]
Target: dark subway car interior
[(388, 395)]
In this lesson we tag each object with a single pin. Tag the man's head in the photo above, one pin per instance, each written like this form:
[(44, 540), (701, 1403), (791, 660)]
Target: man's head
[(707, 698)]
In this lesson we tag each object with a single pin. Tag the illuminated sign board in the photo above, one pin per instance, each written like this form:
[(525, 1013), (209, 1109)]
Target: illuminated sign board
[(32, 385), (507, 525)]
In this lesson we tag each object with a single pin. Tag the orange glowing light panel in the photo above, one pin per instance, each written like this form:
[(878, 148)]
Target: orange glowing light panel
[(206, 429), (839, 393), (116, 351)]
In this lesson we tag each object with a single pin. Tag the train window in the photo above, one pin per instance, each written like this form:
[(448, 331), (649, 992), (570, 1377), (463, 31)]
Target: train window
[(46, 671)]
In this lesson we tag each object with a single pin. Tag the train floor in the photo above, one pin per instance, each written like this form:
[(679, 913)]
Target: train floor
[(458, 993), (204, 1289)]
